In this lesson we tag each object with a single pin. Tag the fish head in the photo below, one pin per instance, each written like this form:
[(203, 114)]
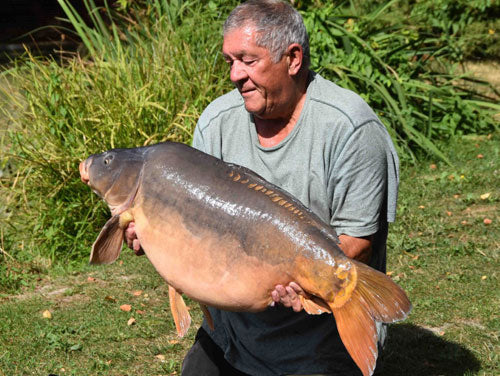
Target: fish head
[(114, 175)]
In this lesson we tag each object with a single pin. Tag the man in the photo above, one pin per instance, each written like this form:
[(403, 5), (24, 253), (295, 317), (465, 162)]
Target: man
[(322, 144)]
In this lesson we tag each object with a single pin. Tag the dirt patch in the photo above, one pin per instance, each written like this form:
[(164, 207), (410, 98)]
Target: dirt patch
[(486, 71), (478, 210)]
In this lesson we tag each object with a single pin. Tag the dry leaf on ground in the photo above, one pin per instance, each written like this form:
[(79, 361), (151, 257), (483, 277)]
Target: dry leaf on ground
[(126, 307)]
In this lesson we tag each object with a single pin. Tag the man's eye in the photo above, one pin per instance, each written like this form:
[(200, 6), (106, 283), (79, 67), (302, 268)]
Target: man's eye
[(248, 62)]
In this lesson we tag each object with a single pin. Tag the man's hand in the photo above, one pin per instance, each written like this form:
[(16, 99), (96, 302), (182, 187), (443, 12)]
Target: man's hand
[(131, 239), (289, 296)]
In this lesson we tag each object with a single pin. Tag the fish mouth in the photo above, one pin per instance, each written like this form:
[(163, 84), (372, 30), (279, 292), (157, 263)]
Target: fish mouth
[(84, 171)]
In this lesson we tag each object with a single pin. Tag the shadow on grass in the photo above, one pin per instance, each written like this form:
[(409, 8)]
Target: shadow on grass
[(414, 351)]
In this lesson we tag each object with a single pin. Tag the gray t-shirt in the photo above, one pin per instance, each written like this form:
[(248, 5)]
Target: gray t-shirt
[(340, 162)]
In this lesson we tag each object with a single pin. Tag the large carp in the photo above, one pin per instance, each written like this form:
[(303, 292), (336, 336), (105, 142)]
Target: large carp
[(225, 237)]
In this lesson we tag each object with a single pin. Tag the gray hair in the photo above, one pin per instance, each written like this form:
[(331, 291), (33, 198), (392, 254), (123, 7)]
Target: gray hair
[(277, 25)]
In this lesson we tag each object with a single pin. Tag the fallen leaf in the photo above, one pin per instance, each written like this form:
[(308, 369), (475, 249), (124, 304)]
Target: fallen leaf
[(160, 357), (390, 273), (487, 221), (91, 279), (480, 156), (421, 207), (173, 341), (483, 277), (464, 222), (137, 293), (126, 307), (456, 196), (441, 333), (131, 321), (449, 213), (121, 262), (140, 312), (433, 166), (46, 314), (411, 267), (110, 298), (485, 196), (415, 257)]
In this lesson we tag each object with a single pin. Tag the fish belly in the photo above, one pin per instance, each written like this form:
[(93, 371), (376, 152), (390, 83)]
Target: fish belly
[(209, 268)]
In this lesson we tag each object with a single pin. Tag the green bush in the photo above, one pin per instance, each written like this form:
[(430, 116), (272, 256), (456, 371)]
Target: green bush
[(408, 76), (470, 29)]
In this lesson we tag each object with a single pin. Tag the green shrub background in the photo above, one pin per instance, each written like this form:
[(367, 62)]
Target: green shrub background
[(148, 76)]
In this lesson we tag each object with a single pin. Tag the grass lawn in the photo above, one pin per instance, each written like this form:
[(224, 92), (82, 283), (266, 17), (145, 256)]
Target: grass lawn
[(443, 251)]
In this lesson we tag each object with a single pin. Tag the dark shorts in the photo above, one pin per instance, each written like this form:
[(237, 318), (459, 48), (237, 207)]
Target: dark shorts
[(205, 358)]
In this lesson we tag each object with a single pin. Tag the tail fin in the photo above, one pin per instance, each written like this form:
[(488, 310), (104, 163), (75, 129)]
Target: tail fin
[(375, 298)]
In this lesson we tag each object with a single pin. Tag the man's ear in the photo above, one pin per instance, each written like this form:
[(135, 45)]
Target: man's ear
[(295, 58)]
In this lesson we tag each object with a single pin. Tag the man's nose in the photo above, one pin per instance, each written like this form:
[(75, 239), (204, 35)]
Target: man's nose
[(238, 71)]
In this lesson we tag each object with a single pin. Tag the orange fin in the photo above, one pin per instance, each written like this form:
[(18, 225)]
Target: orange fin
[(208, 316), (180, 311), (108, 244), (359, 334), (387, 301), (314, 305), (375, 297)]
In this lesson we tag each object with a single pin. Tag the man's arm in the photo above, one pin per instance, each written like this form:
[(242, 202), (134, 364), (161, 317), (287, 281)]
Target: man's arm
[(359, 249)]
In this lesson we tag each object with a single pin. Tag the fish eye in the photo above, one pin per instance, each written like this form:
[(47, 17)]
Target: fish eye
[(108, 159)]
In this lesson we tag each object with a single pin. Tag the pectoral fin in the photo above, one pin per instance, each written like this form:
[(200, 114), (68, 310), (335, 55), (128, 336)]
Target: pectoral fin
[(180, 312), (108, 244), (208, 316), (314, 305)]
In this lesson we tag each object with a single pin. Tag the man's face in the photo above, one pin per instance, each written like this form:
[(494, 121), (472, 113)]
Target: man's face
[(264, 85)]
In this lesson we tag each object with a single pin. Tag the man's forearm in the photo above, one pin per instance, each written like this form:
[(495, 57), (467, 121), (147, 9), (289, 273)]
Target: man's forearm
[(359, 249)]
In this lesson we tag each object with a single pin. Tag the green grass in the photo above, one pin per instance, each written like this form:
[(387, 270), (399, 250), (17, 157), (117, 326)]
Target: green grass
[(449, 269)]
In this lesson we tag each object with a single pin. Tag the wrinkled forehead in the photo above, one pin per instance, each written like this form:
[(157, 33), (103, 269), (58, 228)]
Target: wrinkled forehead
[(242, 41)]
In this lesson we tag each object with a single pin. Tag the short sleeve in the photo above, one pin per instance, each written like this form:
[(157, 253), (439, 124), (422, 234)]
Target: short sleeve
[(198, 141), (363, 175)]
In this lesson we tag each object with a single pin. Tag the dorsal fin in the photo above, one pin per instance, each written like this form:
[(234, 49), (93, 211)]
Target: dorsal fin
[(279, 197)]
